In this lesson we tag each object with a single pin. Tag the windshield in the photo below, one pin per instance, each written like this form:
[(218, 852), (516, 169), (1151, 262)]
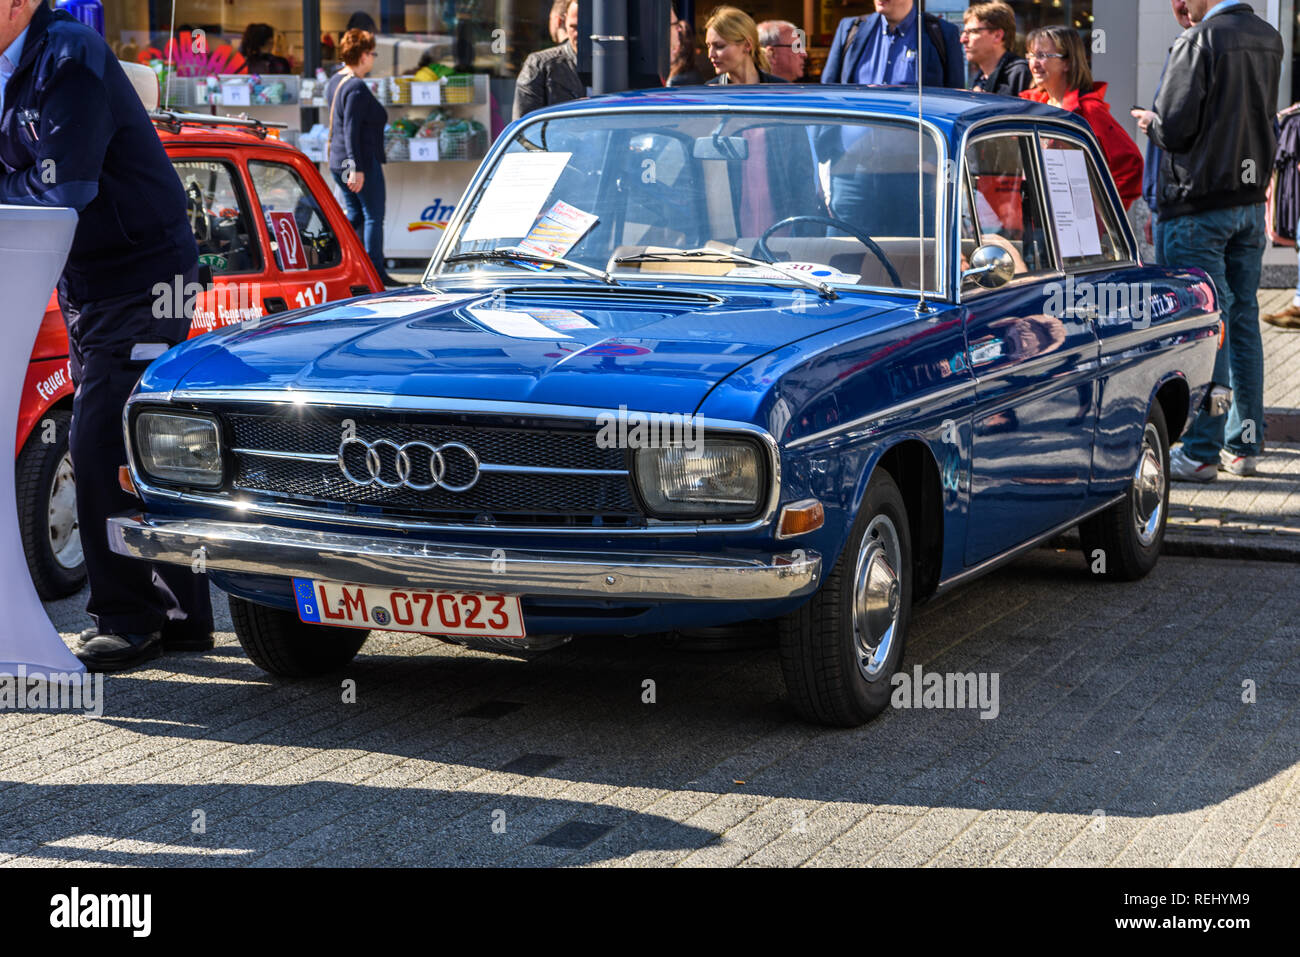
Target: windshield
[(640, 194)]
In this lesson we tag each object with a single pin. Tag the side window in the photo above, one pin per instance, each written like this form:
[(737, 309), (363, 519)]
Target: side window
[(1001, 205), (1087, 228), (218, 215), (300, 234)]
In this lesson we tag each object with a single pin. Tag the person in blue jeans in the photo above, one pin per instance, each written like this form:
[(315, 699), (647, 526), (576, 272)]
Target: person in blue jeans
[(1213, 121), (356, 144)]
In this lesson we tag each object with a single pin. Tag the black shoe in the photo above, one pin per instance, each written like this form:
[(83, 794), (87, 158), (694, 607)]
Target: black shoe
[(116, 652), (170, 641)]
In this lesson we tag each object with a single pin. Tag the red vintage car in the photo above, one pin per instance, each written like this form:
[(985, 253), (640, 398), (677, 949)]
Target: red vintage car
[(274, 238)]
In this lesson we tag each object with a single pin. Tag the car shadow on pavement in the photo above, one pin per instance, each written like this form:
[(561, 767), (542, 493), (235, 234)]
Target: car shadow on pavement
[(1124, 697), (318, 822)]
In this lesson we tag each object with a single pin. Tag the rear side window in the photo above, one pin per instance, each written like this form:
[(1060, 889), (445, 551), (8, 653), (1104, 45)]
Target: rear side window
[(218, 216), (300, 234), (1087, 228)]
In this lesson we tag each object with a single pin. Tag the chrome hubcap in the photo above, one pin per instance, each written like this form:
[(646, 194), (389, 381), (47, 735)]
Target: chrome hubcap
[(876, 597), (65, 539), (1149, 487)]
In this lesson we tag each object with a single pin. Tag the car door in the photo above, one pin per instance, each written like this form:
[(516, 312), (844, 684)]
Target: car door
[(1102, 281), (307, 250), (222, 220), (1034, 363)]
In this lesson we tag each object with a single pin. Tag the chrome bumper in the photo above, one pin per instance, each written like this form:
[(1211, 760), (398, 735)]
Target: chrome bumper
[(280, 552)]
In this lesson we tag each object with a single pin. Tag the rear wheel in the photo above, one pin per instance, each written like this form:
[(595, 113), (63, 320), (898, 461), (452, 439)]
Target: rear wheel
[(1123, 542), (281, 644), (840, 650), (47, 509)]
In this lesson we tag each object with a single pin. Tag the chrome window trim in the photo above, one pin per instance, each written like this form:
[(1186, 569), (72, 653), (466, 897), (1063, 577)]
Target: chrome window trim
[(381, 402), (942, 288)]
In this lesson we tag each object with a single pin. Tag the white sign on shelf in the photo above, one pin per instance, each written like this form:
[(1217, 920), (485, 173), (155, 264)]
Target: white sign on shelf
[(424, 149), (236, 94), (426, 93)]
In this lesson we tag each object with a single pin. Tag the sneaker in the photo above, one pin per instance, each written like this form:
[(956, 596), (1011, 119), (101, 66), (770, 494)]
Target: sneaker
[(1186, 469), (1238, 464)]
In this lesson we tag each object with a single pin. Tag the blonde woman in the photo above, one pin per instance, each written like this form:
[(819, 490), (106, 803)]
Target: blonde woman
[(731, 39)]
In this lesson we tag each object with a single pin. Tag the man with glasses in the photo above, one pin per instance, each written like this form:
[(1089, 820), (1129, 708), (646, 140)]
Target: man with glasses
[(989, 38), (786, 50)]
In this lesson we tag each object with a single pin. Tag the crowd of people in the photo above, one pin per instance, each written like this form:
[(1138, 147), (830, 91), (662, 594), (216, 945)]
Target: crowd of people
[(1213, 111)]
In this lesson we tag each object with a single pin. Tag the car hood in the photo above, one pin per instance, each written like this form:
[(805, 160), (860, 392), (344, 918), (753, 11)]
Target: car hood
[(655, 350)]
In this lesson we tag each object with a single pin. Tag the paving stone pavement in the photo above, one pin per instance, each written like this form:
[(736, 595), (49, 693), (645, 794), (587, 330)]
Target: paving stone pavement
[(1256, 516), (1122, 738)]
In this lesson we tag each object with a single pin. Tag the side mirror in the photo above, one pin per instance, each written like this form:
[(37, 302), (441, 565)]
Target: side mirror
[(990, 266)]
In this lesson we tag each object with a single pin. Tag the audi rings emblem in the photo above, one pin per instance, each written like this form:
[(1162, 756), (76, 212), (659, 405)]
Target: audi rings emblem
[(404, 459)]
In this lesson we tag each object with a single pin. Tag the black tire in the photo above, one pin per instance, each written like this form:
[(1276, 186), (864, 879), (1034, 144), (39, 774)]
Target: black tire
[(281, 644), (47, 515), (825, 670), (1118, 544)]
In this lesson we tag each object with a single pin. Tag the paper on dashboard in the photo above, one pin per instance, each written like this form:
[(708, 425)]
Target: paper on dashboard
[(511, 201)]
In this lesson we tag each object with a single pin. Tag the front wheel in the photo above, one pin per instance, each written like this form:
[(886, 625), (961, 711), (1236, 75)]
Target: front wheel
[(840, 650), (281, 644), (1123, 542)]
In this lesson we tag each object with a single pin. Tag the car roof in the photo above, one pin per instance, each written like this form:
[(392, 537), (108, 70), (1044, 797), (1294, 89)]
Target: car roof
[(950, 110)]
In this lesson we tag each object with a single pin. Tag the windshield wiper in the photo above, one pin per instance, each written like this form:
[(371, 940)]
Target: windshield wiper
[(666, 257), (511, 254)]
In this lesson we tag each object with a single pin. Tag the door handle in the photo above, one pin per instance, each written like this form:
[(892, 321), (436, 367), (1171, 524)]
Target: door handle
[(274, 304)]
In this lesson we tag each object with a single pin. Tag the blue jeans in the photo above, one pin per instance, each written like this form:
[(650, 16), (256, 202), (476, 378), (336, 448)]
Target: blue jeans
[(365, 211), (1229, 245)]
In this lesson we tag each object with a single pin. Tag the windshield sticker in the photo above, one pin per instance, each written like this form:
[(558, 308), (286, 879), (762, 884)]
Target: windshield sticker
[(1072, 206), (558, 231), (509, 204), (811, 270), (516, 325)]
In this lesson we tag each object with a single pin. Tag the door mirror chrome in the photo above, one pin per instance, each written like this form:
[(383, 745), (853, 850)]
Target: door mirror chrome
[(991, 266)]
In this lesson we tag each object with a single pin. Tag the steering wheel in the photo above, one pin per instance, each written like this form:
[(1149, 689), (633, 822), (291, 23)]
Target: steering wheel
[(761, 246)]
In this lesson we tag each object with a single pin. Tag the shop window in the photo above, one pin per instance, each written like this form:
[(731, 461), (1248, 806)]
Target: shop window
[(218, 216), (281, 190)]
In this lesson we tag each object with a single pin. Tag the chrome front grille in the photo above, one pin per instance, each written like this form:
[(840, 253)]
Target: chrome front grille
[(527, 474)]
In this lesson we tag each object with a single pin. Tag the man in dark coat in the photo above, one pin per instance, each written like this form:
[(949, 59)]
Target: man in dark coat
[(551, 76), (74, 133)]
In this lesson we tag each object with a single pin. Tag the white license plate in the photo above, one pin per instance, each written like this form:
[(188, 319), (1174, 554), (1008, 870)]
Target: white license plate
[(406, 609)]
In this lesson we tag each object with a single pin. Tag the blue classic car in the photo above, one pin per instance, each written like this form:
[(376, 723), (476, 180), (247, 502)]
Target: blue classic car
[(691, 358)]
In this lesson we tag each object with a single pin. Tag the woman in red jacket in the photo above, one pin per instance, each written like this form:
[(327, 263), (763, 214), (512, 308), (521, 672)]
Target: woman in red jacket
[(1062, 78)]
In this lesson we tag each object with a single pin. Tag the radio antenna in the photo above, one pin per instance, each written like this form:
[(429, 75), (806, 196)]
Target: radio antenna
[(921, 33), (171, 51)]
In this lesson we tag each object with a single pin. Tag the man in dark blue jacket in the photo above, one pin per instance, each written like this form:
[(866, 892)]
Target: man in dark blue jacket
[(74, 133), (883, 48)]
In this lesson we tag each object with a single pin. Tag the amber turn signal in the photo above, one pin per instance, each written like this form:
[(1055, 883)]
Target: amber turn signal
[(801, 517), (124, 480)]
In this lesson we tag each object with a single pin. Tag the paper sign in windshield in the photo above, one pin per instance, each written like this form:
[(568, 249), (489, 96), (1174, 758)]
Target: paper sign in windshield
[(511, 201), (818, 271), (565, 319), (558, 231), (1072, 206)]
